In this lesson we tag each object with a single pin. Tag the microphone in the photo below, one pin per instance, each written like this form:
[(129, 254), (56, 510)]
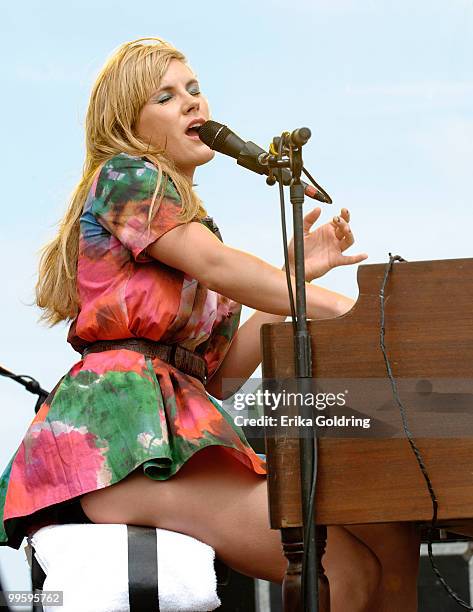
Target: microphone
[(220, 138)]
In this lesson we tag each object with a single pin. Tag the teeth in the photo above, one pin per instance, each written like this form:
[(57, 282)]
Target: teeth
[(194, 127)]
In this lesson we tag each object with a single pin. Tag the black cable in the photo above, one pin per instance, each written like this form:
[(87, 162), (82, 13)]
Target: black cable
[(310, 510), (317, 186), (415, 450), (284, 239)]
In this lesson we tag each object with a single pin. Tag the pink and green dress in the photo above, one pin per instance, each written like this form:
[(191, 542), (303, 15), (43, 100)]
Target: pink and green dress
[(117, 410)]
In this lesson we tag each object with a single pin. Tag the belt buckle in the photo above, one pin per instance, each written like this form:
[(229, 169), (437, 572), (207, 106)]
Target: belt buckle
[(180, 356), (176, 356)]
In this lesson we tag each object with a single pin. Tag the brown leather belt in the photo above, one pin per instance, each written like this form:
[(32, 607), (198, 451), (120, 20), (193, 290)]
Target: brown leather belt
[(174, 354)]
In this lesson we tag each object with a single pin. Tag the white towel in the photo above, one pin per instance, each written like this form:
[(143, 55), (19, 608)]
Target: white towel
[(89, 563)]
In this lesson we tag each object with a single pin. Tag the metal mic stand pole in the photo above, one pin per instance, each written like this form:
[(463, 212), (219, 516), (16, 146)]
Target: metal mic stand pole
[(303, 361), (291, 144), (303, 355)]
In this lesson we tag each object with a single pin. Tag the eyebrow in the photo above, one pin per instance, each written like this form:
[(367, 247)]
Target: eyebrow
[(171, 87)]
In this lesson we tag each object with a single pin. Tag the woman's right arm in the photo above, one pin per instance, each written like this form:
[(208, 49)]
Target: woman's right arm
[(242, 277)]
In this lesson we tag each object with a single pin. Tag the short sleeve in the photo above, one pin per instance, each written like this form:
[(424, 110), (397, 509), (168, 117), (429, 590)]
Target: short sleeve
[(120, 199)]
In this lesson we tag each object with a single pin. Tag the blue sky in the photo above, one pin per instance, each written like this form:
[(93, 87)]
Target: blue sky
[(386, 88)]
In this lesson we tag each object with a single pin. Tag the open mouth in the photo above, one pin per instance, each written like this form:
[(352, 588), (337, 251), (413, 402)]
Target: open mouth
[(193, 132)]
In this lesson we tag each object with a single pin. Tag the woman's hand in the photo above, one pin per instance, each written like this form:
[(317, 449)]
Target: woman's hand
[(324, 247)]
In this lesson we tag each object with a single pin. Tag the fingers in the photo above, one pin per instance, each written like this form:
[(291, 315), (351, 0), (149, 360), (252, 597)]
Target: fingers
[(310, 218), (342, 229), (344, 234), (348, 260)]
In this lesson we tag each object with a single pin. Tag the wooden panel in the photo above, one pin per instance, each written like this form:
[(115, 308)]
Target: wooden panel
[(429, 334)]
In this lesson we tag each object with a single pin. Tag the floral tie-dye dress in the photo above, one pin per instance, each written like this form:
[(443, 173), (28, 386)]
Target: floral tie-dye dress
[(117, 410)]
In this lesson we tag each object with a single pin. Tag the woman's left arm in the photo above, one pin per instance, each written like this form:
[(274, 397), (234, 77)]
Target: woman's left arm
[(244, 354)]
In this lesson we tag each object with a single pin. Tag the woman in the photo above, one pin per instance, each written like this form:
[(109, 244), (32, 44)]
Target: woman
[(129, 434)]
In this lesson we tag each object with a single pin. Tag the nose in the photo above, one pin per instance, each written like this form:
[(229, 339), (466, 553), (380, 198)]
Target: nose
[(191, 103)]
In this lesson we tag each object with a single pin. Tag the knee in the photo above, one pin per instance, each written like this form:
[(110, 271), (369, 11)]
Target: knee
[(398, 553), (356, 589), (399, 574), (362, 588)]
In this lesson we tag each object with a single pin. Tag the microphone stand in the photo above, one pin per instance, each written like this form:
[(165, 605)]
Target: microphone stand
[(33, 386), (29, 383), (303, 362)]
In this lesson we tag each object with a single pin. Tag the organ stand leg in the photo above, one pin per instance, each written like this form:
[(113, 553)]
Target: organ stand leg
[(293, 547)]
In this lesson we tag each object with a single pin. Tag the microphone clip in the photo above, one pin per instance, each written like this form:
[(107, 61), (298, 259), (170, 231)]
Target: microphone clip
[(290, 144)]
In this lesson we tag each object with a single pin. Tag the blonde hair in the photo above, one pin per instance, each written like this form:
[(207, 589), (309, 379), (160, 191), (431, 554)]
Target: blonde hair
[(122, 88)]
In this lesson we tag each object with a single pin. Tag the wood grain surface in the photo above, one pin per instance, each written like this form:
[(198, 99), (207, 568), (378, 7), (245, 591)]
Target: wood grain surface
[(429, 339)]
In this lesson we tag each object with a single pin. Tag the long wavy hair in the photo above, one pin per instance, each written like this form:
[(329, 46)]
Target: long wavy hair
[(125, 83)]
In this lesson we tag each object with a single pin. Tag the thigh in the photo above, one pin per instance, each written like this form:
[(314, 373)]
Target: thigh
[(213, 498), (217, 500)]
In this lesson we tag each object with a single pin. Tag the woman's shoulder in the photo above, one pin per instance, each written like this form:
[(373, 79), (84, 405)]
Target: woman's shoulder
[(125, 161), (125, 169)]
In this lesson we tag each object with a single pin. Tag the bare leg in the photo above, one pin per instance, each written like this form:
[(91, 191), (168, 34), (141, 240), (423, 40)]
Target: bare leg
[(397, 547), (219, 501)]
